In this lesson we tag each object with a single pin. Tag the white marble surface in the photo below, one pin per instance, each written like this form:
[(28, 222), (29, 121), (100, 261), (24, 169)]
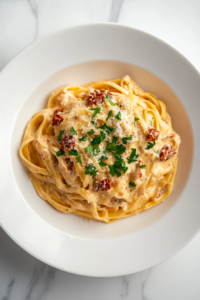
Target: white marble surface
[(22, 277)]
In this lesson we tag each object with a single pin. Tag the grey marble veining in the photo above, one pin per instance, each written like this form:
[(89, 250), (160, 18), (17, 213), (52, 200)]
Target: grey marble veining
[(115, 10), (22, 277), (34, 9)]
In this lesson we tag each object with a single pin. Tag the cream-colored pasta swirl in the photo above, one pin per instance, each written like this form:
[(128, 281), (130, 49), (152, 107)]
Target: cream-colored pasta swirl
[(103, 151)]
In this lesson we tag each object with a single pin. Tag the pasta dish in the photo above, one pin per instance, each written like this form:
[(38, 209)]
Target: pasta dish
[(103, 151)]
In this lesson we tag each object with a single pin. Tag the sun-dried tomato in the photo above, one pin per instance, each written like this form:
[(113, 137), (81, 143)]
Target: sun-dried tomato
[(70, 164), (57, 119), (97, 97), (152, 134), (103, 185), (166, 152), (68, 141)]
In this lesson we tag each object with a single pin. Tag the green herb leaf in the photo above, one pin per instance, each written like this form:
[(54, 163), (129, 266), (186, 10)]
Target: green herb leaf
[(118, 116), (114, 140), (142, 166), (83, 138), (109, 115), (60, 135), (103, 158), (73, 131), (59, 153), (110, 146), (157, 151), (91, 170), (132, 184), (125, 139), (78, 158), (110, 101), (119, 148), (102, 164), (91, 131), (99, 139), (73, 152), (107, 129), (150, 145), (96, 148), (118, 156), (94, 123), (114, 171), (133, 157), (89, 149), (135, 119), (150, 123), (96, 111), (120, 164)]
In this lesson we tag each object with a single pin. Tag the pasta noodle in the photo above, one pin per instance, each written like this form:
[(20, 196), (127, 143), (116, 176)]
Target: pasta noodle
[(105, 150)]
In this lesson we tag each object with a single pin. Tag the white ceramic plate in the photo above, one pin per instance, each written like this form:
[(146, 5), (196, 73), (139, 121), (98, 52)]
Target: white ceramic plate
[(74, 56)]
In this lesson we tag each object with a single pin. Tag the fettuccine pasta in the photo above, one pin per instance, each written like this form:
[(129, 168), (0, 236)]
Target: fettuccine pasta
[(103, 151)]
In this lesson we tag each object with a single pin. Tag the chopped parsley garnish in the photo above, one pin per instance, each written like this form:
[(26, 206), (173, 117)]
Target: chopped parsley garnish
[(110, 101), (135, 119), (150, 145), (91, 170), (94, 123), (114, 171), (125, 139), (109, 115), (73, 152), (133, 157), (118, 156), (73, 131), (132, 184), (150, 123), (99, 139), (78, 158), (60, 135), (118, 116), (157, 151), (120, 149), (83, 138), (142, 166), (89, 149), (102, 164), (114, 140), (107, 129), (120, 164), (96, 111), (59, 153), (91, 131), (103, 158), (96, 148)]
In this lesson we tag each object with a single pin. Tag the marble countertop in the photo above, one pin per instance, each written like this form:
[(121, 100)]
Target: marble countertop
[(22, 277)]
